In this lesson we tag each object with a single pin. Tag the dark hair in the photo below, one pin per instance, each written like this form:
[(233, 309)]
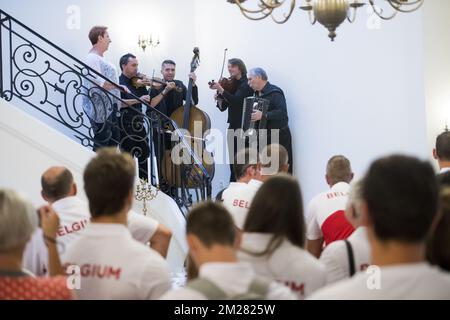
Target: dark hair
[(401, 194), (95, 32), (168, 61), (125, 58), (443, 146), (277, 208), (244, 159), (212, 224), (108, 181), (438, 252), (57, 187), (339, 169), (240, 64)]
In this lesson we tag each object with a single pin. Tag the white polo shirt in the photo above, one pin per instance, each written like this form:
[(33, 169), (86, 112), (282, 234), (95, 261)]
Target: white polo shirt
[(289, 265), (237, 199), (325, 215), (115, 266), (74, 217), (233, 278), (335, 256), (406, 282)]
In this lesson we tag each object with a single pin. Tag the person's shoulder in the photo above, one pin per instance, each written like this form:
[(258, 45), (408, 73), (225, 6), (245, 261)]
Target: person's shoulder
[(342, 290), (301, 260), (278, 291), (185, 293)]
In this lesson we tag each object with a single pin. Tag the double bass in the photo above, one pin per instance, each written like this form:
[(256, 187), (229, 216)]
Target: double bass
[(186, 117)]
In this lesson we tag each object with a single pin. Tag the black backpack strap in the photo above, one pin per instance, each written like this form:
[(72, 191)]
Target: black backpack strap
[(351, 258)]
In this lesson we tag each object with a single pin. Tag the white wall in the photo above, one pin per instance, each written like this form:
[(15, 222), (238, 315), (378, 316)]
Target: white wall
[(437, 67), (361, 96)]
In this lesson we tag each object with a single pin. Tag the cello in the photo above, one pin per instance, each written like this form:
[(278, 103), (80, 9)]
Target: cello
[(187, 117)]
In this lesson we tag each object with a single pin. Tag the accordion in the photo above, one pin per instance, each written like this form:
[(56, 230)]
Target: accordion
[(252, 104)]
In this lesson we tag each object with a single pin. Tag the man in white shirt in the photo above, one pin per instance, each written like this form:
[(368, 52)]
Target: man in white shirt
[(60, 190), (400, 203), (343, 258), (109, 262), (325, 214), (237, 199), (441, 152), (211, 237)]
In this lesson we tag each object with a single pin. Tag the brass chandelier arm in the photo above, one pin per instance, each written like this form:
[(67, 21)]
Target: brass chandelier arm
[(286, 16), (411, 6), (379, 12), (250, 17)]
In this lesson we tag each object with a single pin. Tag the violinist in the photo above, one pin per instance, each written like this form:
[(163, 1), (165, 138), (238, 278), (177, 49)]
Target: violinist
[(133, 133), (166, 98), (230, 95)]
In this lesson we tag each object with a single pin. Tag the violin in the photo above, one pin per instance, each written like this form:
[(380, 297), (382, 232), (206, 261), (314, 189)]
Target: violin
[(228, 84), (141, 80)]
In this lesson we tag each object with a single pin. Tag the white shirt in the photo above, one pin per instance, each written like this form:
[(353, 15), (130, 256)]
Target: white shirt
[(233, 279), (96, 103), (335, 256), (444, 170), (325, 215), (74, 217), (289, 265), (115, 266), (407, 282), (237, 199)]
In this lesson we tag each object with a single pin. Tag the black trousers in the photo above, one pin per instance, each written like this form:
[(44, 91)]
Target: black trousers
[(106, 134), (285, 139)]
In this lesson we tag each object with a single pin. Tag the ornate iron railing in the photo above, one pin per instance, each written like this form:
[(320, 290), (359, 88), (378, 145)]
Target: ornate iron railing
[(52, 82)]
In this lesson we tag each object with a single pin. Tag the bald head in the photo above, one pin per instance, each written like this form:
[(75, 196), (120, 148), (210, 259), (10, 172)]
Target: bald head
[(338, 170), (57, 183)]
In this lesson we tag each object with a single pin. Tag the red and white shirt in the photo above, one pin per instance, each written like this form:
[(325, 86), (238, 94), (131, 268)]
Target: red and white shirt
[(325, 215), (289, 265), (238, 197), (74, 217), (31, 288)]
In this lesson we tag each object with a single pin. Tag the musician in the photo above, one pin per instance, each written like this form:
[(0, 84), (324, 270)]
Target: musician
[(133, 137), (167, 98), (276, 116), (233, 101)]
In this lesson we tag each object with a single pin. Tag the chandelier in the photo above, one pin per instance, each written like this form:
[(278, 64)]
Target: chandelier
[(329, 13)]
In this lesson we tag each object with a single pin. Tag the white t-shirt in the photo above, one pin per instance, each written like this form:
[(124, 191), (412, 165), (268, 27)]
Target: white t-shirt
[(115, 266), (289, 265), (406, 282), (96, 103), (325, 215), (237, 199), (74, 217), (335, 256), (233, 279)]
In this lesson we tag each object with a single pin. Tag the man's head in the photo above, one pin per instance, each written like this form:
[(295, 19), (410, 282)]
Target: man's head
[(237, 68), (353, 208), (108, 182), (18, 221), (441, 152), (168, 70), (274, 160), (338, 170), (257, 78), (246, 165), (99, 37), (129, 65), (57, 183), (209, 227), (400, 199)]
